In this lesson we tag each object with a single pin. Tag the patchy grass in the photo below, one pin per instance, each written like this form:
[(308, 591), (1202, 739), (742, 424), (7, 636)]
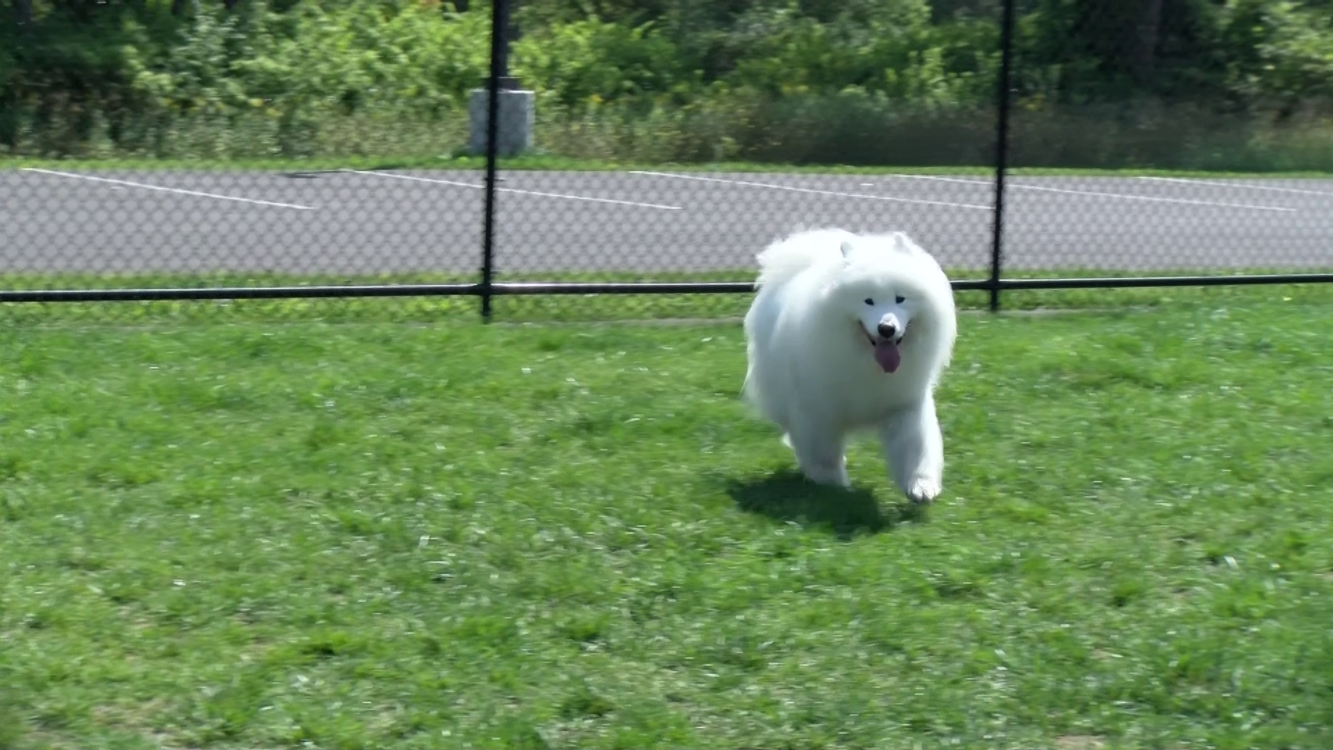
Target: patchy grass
[(554, 162), (288, 532), (551, 308)]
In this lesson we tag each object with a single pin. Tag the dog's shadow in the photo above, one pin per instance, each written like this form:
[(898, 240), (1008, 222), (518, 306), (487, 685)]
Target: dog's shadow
[(789, 497)]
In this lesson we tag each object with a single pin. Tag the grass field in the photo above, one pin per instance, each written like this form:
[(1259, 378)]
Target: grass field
[(557, 308), (563, 163), (282, 532)]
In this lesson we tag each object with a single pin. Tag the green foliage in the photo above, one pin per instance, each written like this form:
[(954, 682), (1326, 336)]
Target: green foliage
[(302, 66), (790, 80), (923, 66), (590, 61), (282, 74), (1287, 50)]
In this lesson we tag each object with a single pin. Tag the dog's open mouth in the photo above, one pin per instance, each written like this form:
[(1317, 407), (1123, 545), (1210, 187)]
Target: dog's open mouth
[(887, 354)]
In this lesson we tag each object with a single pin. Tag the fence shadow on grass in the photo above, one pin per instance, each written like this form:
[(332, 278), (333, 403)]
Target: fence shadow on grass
[(787, 496)]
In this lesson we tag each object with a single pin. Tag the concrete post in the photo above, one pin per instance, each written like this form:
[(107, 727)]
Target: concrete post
[(518, 113)]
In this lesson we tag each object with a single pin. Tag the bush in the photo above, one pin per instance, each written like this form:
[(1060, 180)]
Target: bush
[(809, 81), (589, 62), (265, 83)]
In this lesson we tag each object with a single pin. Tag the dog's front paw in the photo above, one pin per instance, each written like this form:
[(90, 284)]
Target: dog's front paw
[(922, 490)]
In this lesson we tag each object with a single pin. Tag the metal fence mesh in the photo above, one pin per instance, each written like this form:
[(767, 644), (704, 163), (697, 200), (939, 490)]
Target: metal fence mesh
[(178, 226), (662, 225), (1125, 100), (1139, 95), (1158, 225)]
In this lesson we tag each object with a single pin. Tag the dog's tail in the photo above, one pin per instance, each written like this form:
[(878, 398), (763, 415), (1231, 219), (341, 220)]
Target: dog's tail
[(787, 257), (749, 388)]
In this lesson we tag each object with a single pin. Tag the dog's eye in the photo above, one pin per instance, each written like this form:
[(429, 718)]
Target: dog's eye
[(900, 299), (870, 302)]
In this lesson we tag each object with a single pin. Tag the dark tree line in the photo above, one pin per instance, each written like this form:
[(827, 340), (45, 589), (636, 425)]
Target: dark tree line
[(69, 64)]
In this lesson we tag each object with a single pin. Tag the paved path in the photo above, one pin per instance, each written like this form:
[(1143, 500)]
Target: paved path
[(394, 221)]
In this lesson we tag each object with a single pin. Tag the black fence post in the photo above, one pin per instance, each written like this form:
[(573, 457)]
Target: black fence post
[(499, 42), (1001, 148)]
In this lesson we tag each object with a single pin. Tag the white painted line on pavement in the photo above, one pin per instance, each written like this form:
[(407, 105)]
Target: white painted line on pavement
[(178, 191), (521, 192), (1216, 183), (832, 193), (1098, 194)]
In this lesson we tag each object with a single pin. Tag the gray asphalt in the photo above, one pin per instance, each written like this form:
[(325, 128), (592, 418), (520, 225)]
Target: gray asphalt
[(662, 222)]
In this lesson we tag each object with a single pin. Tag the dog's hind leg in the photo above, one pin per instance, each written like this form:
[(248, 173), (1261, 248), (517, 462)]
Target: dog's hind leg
[(819, 453), (914, 451)]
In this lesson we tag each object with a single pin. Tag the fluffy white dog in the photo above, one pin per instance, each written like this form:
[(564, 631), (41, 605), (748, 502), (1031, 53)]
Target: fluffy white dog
[(851, 332)]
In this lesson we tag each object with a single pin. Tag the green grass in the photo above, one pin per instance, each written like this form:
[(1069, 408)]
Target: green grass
[(549, 308), (288, 532), (549, 162)]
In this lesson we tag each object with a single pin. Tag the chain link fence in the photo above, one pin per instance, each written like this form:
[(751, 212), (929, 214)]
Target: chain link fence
[(1092, 162), (1142, 89)]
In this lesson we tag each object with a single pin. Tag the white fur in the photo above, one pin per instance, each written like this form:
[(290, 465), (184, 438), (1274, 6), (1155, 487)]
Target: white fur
[(812, 367)]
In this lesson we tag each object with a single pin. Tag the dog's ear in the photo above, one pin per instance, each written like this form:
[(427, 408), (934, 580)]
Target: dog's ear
[(903, 244)]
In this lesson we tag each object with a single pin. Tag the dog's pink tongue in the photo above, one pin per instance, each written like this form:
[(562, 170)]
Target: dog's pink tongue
[(887, 355)]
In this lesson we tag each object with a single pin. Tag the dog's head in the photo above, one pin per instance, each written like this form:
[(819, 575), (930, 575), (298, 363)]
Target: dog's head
[(888, 291)]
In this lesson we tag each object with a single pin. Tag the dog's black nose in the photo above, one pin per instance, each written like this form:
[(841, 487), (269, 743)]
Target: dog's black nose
[(887, 330)]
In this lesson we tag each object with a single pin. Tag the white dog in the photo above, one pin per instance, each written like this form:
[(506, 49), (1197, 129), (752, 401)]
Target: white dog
[(851, 332)]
